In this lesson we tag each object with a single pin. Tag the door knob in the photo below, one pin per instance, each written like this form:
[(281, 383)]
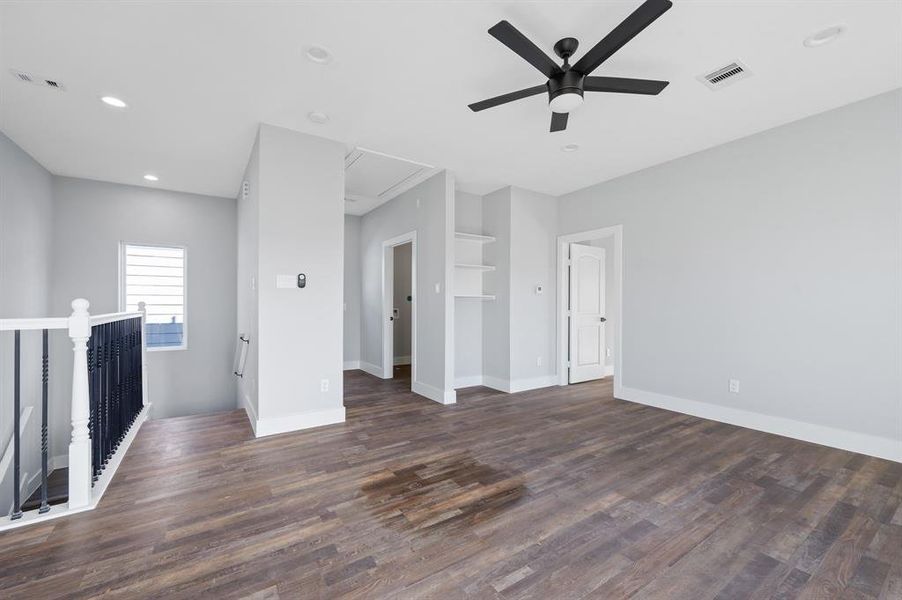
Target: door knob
[(602, 319)]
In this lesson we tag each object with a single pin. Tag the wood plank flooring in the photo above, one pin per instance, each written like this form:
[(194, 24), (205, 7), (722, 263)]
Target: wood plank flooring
[(554, 493)]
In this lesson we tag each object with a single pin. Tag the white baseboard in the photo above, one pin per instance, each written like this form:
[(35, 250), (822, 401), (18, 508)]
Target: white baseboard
[(434, 393), (608, 371), (512, 386), (296, 422), (402, 360), (351, 365), (371, 368), (862, 443), (468, 381), (532, 383)]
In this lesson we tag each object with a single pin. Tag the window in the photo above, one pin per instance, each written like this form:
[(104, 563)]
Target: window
[(155, 275)]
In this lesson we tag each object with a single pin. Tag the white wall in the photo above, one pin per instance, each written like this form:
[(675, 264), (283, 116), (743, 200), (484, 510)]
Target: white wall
[(777, 260), (427, 209), (25, 258), (468, 313), (301, 230), (402, 281), (91, 218), (352, 293)]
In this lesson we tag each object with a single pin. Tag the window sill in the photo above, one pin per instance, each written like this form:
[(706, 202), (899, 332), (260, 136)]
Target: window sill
[(167, 348)]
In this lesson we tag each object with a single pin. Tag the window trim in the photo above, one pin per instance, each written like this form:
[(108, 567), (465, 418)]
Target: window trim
[(122, 290)]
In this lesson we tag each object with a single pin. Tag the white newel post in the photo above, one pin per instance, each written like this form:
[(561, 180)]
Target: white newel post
[(80, 446), (142, 308)]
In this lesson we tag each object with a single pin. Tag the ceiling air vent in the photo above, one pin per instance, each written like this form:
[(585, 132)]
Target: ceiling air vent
[(25, 77), (726, 75), (22, 76)]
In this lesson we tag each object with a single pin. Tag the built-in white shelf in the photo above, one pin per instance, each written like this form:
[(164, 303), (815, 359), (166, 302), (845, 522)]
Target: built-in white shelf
[(473, 237), (475, 296), (476, 267)]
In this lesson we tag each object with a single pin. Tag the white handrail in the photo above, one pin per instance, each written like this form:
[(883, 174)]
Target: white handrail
[(111, 317), (34, 323)]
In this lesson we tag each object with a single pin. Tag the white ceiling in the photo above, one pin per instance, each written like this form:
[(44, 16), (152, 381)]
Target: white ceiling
[(199, 76)]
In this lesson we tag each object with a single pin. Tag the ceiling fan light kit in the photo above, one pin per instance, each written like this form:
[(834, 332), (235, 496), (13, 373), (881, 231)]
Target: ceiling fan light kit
[(567, 83)]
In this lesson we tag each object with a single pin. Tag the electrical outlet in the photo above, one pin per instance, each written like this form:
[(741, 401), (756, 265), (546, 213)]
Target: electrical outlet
[(734, 386), (538, 361), (607, 352), (324, 385), (438, 288)]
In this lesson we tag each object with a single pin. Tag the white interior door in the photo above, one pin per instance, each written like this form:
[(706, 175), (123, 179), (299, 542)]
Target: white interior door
[(587, 313)]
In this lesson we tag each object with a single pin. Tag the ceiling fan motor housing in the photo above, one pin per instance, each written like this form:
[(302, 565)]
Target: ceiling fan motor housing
[(568, 82)]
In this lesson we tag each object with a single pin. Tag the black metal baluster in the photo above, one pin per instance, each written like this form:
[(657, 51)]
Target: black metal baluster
[(45, 378), (17, 506), (92, 402), (106, 393), (117, 375)]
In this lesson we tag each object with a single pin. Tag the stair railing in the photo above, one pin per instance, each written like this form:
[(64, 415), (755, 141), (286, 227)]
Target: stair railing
[(109, 401)]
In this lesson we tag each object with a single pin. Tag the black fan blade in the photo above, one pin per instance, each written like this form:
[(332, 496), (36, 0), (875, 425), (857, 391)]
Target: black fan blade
[(641, 18), (559, 121), (511, 37), (505, 98), (624, 85)]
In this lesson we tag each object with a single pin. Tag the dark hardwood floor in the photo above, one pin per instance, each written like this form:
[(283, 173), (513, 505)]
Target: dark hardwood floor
[(555, 493)]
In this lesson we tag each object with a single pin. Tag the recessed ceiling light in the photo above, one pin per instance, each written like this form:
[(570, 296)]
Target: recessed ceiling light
[(318, 117), (318, 54), (570, 148), (114, 102), (824, 36), (150, 177)]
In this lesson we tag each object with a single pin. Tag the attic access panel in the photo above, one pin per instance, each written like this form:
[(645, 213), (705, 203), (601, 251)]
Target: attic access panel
[(376, 175)]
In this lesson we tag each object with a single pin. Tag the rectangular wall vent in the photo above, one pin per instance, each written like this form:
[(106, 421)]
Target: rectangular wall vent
[(726, 75)]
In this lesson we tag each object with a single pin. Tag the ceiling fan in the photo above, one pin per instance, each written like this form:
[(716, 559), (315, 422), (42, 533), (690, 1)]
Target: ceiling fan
[(566, 83)]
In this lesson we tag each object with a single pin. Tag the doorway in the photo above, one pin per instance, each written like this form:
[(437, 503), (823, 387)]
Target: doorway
[(399, 307), (589, 306)]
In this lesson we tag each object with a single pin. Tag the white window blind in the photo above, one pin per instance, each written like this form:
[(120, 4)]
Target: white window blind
[(155, 275)]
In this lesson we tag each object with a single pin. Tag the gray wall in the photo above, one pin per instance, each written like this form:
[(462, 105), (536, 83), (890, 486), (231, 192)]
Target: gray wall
[(775, 259), (424, 209), (352, 292), (468, 313), (91, 218), (25, 257), (301, 217), (402, 289), (532, 315), (248, 256), (496, 335)]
